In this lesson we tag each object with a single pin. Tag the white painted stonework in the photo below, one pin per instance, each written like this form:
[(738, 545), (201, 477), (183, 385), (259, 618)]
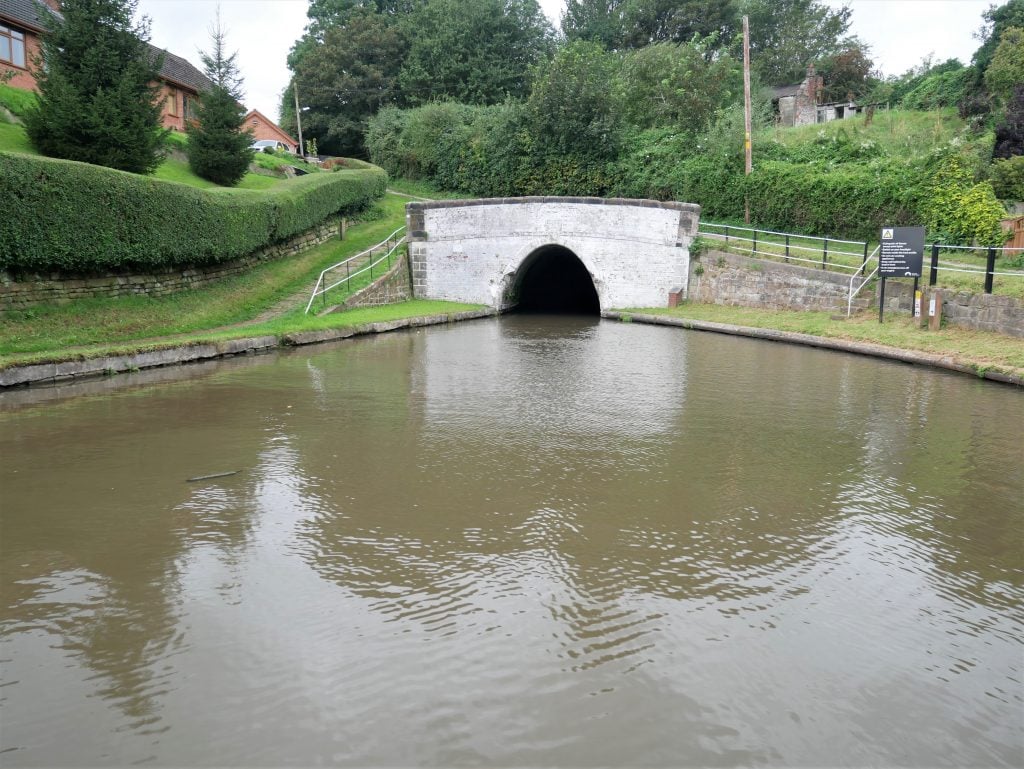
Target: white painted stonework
[(636, 251)]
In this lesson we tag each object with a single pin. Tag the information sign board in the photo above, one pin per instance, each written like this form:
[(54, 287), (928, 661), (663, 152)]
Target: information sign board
[(902, 252)]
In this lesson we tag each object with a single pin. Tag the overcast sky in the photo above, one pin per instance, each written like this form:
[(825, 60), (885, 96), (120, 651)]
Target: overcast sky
[(900, 33)]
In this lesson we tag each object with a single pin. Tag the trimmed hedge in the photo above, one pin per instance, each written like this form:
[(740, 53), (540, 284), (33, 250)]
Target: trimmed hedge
[(81, 218)]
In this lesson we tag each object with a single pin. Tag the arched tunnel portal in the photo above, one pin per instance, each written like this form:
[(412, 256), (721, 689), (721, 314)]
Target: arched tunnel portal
[(552, 279)]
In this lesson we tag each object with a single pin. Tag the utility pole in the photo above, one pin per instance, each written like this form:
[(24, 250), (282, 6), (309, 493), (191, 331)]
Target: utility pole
[(746, 112), (298, 119)]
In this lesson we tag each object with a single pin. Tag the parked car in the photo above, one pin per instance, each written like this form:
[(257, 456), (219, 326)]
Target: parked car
[(270, 145)]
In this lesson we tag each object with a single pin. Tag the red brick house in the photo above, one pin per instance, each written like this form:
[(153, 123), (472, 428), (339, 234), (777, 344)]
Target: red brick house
[(263, 127), (21, 26), (180, 86)]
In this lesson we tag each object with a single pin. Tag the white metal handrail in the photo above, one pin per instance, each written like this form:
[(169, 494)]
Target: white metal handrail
[(783, 234), (794, 247), (944, 247), (347, 263), (970, 271), (851, 293)]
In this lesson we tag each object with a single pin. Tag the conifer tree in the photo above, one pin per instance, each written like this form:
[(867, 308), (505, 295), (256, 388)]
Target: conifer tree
[(218, 148), (97, 88)]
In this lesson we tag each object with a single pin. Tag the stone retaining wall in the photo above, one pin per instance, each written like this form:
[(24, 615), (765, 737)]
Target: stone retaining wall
[(732, 279), (984, 312), (395, 286), (25, 291), (718, 277)]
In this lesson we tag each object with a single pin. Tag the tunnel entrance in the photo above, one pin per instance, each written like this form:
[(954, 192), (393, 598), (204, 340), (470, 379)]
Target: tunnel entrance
[(553, 280)]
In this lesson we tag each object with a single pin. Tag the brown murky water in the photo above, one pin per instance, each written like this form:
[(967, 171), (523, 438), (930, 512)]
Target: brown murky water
[(519, 542)]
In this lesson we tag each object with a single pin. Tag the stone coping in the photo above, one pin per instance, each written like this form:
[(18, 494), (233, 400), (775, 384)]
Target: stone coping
[(636, 202), (53, 373), (947, 362)]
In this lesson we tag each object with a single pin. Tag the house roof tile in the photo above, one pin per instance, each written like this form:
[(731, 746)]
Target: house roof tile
[(27, 13), (180, 71)]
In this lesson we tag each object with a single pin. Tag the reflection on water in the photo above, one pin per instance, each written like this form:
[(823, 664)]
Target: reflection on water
[(528, 541)]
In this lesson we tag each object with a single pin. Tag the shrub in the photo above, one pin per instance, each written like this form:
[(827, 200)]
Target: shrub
[(957, 210), (942, 89), (82, 218), (1008, 178)]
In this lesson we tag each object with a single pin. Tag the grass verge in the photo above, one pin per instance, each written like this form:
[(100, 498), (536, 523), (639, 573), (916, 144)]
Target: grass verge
[(982, 349), (354, 318)]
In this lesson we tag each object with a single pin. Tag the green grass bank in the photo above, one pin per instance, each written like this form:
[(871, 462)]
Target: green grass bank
[(981, 350)]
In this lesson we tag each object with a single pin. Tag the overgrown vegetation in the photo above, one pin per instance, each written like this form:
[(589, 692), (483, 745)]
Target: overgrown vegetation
[(642, 100), (845, 179)]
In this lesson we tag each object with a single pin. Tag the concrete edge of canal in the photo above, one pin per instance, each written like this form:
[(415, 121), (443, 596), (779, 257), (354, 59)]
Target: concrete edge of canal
[(56, 373), (860, 348), (67, 371)]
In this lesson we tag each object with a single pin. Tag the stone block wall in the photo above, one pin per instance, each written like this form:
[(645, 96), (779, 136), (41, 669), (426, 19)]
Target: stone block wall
[(984, 312), (25, 291), (731, 279), (395, 286)]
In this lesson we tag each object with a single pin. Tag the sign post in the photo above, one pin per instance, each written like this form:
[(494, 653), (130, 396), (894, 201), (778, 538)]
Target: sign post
[(901, 256)]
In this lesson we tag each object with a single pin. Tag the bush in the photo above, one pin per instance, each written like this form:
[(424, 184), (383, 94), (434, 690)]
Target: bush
[(956, 209), (942, 89), (668, 165), (1008, 178), (81, 218), (407, 142)]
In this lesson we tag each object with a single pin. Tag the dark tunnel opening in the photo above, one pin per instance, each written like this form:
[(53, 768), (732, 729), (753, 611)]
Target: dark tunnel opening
[(553, 280)]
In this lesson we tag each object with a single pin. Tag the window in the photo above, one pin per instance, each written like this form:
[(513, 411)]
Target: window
[(12, 46), (172, 102), (188, 104)]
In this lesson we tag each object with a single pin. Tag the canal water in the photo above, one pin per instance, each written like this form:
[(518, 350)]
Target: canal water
[(525, 541)]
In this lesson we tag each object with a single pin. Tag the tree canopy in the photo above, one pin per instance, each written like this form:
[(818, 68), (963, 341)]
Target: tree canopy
[(787, 35), (218, 148), (97, 94), (996, 20), (1006, 68), (473, 51), (677, 84), (347, 78)]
